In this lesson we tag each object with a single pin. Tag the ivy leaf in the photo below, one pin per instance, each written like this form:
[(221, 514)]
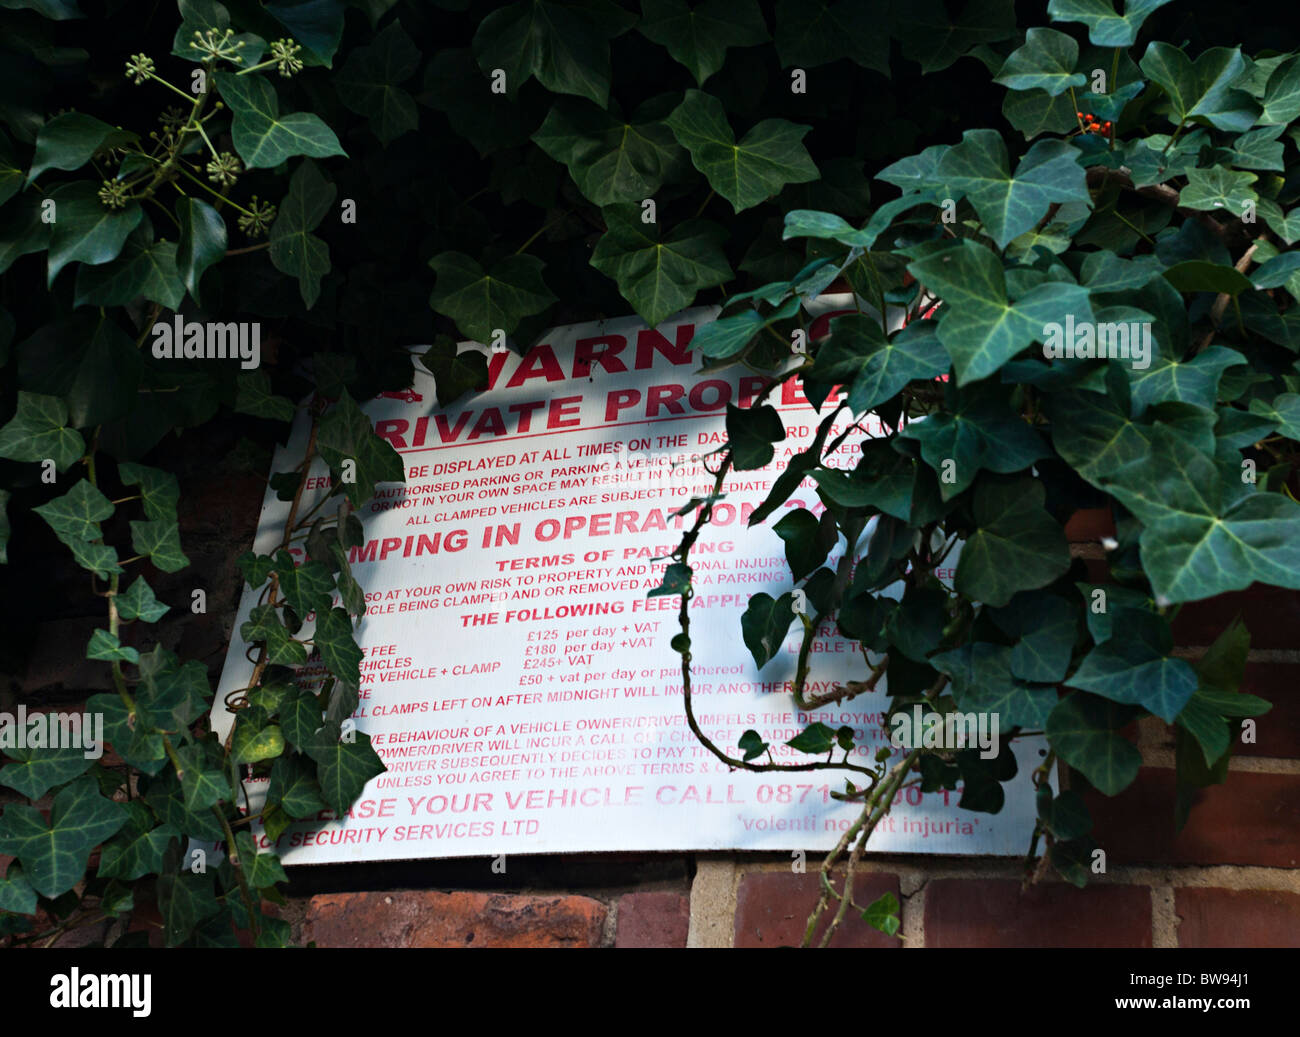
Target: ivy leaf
[(146, 268), (137, 850), (202, 784), (611, 159), (567, 52), (1044, 626), (264, 625), (1283, 412), (307, 587), (1282, 94), (253, 396), (807, 540), (84, 230), (56, 10), (751, 431), (698, 38), (816, 738), (77, 514), (252, 743), (985, 329), (257, 569), (1195, 382), (481, 302), (293, 787), (932, 36), (159, 490), (39, 430), (198, 16), (455, 373), (1137, 669), (979, 432), (301, 718), (316, 24), (184, 900), (343, 767), (202, 241), (764, 625), (367, 83), (983, 682), (16, 893), (37, 770), (1259, 149), (294, 249), (346, 434), (138, 602), (677, 580), (1010, 204), (811, 33), (161, 541), (1203, 88), (333, 639), (107, 648), (875, 368), (68, 141), (1083, 729), (1218, 188), (767, 158), (11, 174), (54, 855), (1016, 545), (752, 744), (1046, 62), (262, 136), (1277, 271), (1105, 27), (660, 277), (262, 869)]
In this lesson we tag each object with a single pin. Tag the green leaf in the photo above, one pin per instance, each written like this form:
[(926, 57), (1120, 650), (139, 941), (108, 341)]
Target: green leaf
[(481, 302), (1195, 382), (343, 767), (198, 16), (339, 651), (752, 744), (253, 396), (84, 230), (264, 625), (108, 648), (807, 540), (262, 136), (1137, 669), (69, 140), (1201, 89), (677, 580), (764, 625), (982, 682), (202, 784), (367, 83), (11, 174), (698, 38), (56, 10), (77, 514), (161, 541), (1046, 61), (984, 328), (1044, 626), (1083, 729), (346, 434), (1218, 188), (16, 893), (39, 430), (1105, 27), (137, 850), (882, 914), (316, 24), (660, 277), (875, 368), (1016, 545), (455, 373), (567, 52), (184, 900), (1276, 271), (139, 602), (810, 33), (751, 431), (202, 241), (1259, 149), (816, 738), (612, 159), (1198, 275), (160, 490), (54, 855), (931, 35), (294, 249), (767, 158), (293, 787), (1284, 412), (146, 268), (1282, 94), (251, 744), (37, 770), (261, 869), (1010, 204)]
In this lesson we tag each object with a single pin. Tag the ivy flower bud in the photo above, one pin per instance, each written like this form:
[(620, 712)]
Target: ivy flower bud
[(113, 194), (139, 68), (224, 169), (285, 54)]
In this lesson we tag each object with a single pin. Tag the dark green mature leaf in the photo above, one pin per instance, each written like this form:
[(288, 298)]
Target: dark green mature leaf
[(77, 514), (54, 855), (16, 893), (767, 158), (107, 648), (932, 36), (698, 38), (612, 159), (294, 249), (84, 230), (1084, 731), (660, 275), (293, 787), (69, 140), (481, 302), (202, 241), (752, 744), (333, 639), (1016, 546), (347, 435), (343, 767), (1202, 88), (567, 51), (262, 869), (137, 850), (146, 268), (253, 396), (1137, 669), (1046, 62), (200, 16), (1218, 188), (184, 900), (1010, 204), (455, 372), (39, 430), (34, 771), (1195, 382), (1281, 97), (1106, 28), (159, 490), (810, 33), (264, 625), (677, 580), (751, 431), (202, 784), (367, 83), (316, 24), (160, 540), (807, 540), (1044, 626), (764, 625), (816, 738), (58, 10), (875, 368), (262, 136)]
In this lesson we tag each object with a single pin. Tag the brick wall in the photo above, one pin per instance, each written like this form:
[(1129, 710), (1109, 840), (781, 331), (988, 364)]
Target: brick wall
[(1231, 878)]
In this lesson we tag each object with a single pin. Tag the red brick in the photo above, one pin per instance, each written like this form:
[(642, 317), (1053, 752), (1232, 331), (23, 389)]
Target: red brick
[(772, 909), (653, 920), (1271, 614), (1251, 819), (424, 919), (996, 913), (1237, 918), (1277, 731)]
